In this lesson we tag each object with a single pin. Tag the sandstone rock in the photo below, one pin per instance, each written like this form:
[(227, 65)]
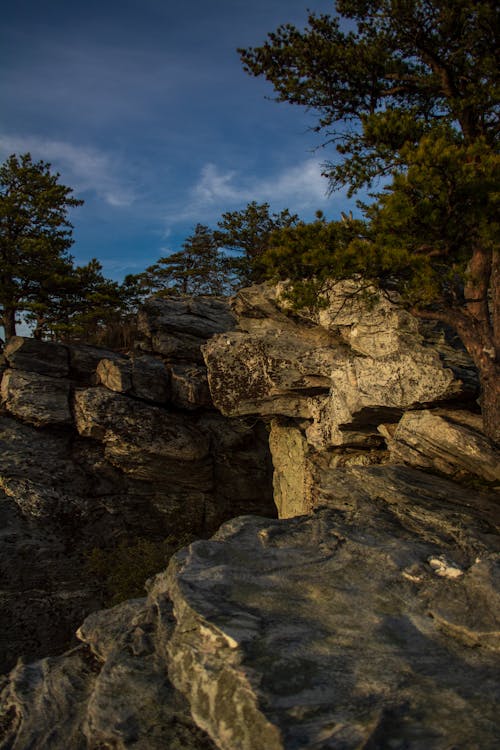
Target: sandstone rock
[(297, 465), (43, 357), (175, 327), (278, 374), (335, 630), (115, 374), (145, 441), (35, 398), (438, 441), (292, 475)]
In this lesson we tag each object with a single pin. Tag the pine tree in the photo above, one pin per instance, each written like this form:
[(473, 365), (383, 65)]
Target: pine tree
[(35, 235)]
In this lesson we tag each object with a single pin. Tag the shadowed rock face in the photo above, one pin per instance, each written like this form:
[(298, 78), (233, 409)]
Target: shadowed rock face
[(372, 622), (111, 691), (94, 446)]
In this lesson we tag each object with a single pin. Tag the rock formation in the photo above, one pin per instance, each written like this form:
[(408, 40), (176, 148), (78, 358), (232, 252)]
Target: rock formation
[(96, 446), (366, 616)]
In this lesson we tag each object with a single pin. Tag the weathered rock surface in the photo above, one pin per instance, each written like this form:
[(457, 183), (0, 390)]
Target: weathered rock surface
[(449, 442), (37, 399), (110, 692), (143, 377), (359, 364), (45, 358), (175, 327), (83, 465), (373, 622), (144, 440)]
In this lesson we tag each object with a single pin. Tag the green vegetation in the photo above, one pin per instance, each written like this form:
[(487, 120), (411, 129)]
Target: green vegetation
[(246, 234), (199, 268), (35, 236), (410, 95), (38, 278), (123, 569), (40, 283)]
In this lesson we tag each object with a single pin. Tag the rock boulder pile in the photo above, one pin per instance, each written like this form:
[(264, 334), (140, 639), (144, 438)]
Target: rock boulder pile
[(367, 615), (95, 446)]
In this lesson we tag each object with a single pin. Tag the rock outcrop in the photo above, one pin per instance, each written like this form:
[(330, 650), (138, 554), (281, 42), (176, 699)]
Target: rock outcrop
[(366, 616), (361, 382), (95, 447), (372, 622)]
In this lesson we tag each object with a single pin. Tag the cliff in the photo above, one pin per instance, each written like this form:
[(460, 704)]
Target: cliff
[(367, 615), (98, 448)]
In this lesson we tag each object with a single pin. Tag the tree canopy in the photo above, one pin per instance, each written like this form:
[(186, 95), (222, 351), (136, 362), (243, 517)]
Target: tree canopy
[(199, 268), (35, 234), (407, 65), (410, 92), (246, 233)]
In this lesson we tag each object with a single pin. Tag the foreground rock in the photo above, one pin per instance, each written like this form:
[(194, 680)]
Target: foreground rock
[(373, 622), (112, 691)]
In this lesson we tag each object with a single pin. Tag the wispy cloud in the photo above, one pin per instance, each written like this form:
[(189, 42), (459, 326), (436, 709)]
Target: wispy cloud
[(299, 187), (86, 169)]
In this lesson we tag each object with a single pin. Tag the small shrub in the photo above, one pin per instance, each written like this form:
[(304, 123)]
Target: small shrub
[(123, 569)]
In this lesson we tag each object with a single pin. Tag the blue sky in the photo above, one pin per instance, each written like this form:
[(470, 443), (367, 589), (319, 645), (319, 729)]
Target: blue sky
[(144, 109)]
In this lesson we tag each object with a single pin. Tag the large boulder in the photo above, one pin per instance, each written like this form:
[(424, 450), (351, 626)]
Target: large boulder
[(112, 691), (361, 362), (176, 327), (143, 440), (449, 442), (372, 622), (37, 399)]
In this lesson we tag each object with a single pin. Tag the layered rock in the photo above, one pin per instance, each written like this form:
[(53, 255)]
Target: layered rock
[(360, 363), (450, 442), (337, 383), (371, 622), (366, 617), (95, 448)]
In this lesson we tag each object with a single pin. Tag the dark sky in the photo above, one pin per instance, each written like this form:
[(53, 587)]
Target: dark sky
[(144, 109)]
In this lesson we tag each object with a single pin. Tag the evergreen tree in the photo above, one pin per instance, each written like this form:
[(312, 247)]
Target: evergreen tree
[(406, 65), (35, 235), (411, 93), (247, 233), (199, 268)]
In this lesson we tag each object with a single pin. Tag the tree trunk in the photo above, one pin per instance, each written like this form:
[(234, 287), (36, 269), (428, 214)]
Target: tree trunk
[(477, 337), (490, 402), (9, 322)]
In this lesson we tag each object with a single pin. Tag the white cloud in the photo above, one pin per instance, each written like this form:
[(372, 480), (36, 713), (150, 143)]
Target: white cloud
[(87, 169), (300, 187), (215, 186)]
